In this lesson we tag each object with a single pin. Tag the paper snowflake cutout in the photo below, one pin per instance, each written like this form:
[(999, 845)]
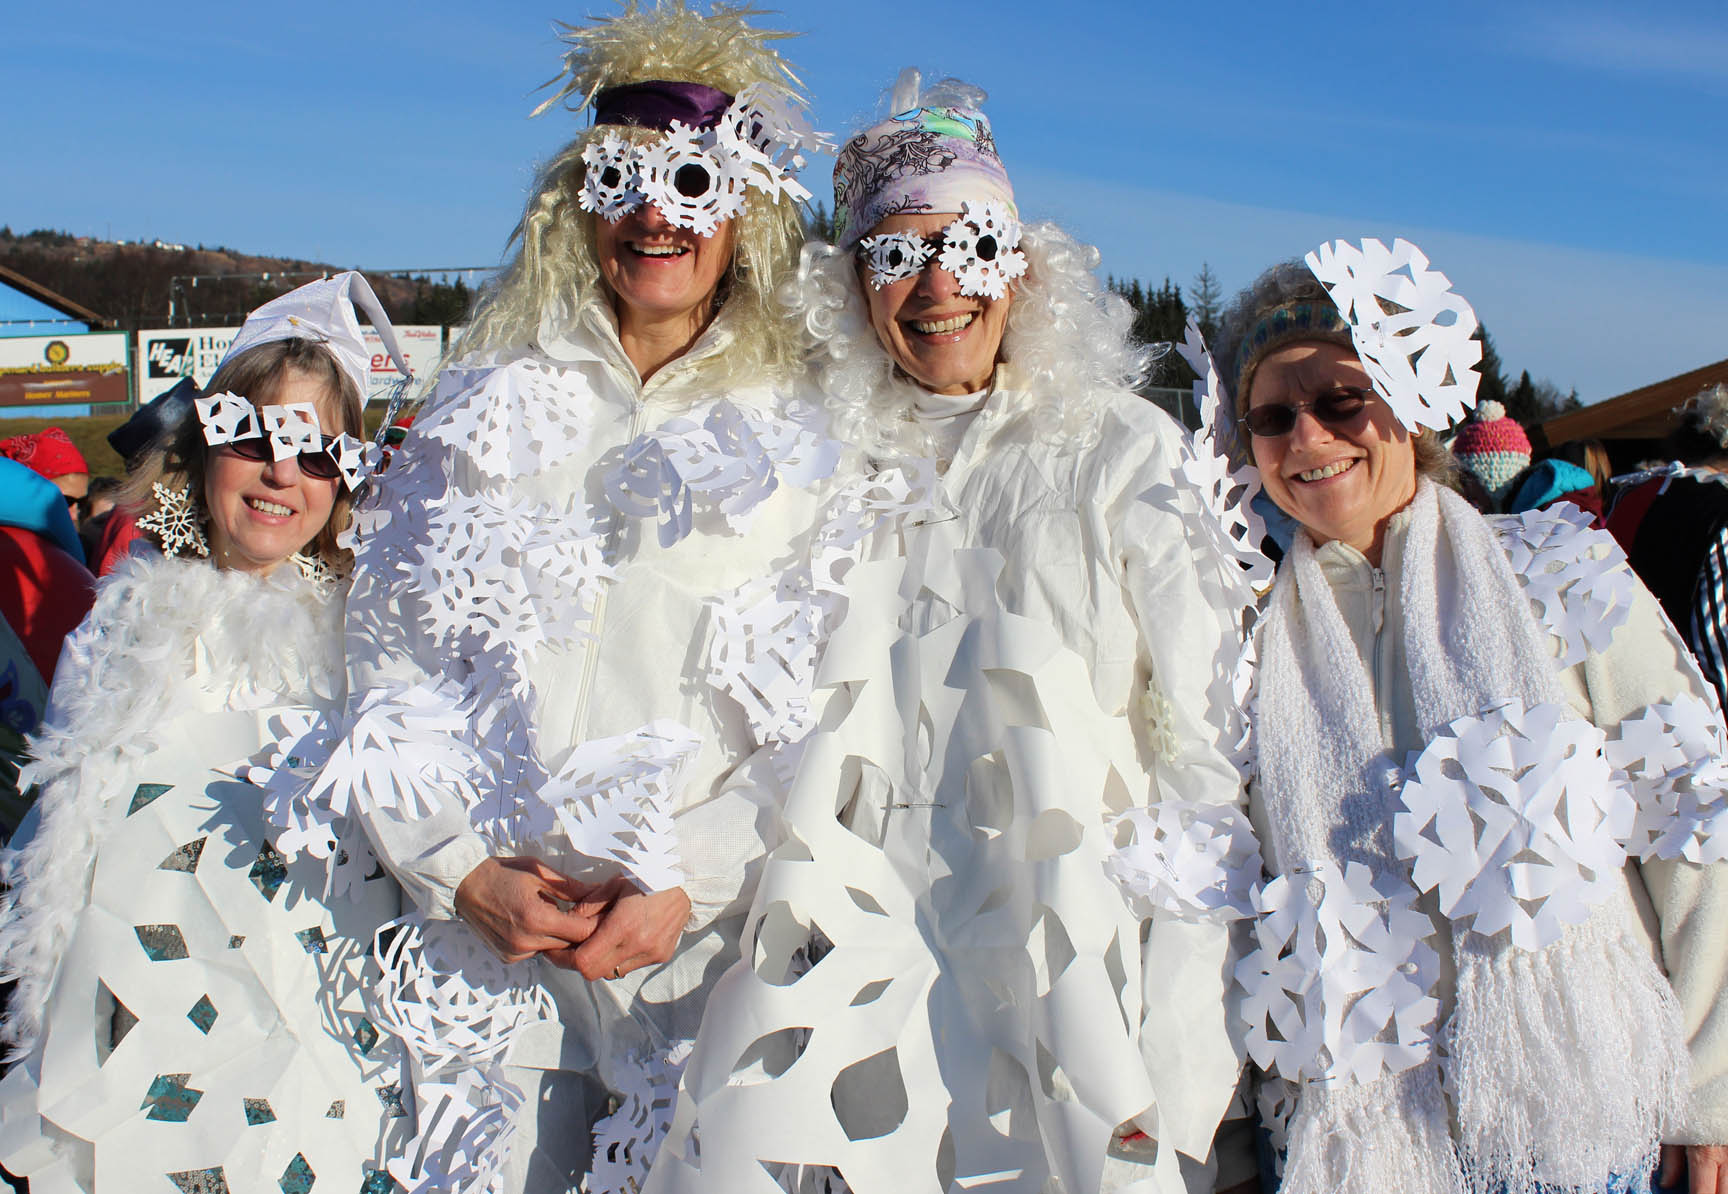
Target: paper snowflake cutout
[(226, 417), (1514, 821), (474, 596), (613, 798), (766, 128), (1199, 862), (1420, 354), (177, 522), (693, 187), (507, 422), (611, 178), (355, 459), (762, 653), (895, 257), (1577, 576), (1338, 984), (1227, 490), (626, 1141), (401, 752), (466, 1126), (287, 769), (448, 998), (980, 249), (1674, 758), (292, 428)]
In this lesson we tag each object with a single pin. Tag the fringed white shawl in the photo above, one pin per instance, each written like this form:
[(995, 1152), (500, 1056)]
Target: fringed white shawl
[(131, 665), (1564, 1064)]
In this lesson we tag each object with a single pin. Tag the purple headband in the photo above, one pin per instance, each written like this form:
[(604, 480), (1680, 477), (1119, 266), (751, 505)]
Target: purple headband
[(657, 103)]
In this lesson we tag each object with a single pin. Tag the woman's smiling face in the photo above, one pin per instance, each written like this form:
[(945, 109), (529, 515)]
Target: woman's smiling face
[(1341, 480), (263, 511), (945, 341)]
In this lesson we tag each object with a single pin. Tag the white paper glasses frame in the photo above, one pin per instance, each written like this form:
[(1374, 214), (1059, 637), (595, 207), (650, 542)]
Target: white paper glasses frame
[(699, 177), (1421, 356), (291, 427), (981, 249)]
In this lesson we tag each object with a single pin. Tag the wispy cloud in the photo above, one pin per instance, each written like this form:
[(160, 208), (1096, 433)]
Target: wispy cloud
[(1627, 44)]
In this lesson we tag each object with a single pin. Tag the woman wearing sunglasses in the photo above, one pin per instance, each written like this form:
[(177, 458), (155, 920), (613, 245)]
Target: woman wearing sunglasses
[(190, 1004), (1489, 788), (1006, 965)]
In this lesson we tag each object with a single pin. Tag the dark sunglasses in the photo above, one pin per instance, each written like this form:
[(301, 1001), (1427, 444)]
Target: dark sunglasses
[(1333, 408), (320, 465)]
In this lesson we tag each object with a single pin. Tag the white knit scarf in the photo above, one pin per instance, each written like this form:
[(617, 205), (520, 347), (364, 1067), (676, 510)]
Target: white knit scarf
[(1564, 1064)]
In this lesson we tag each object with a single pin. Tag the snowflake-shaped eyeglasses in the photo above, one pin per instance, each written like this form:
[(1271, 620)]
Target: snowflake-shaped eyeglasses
[(981, 249)]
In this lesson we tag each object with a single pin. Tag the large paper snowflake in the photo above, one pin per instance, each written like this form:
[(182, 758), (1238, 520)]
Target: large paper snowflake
[(507, 422), (611, 178), (613, 798), (1577, 576), (981, 249), (693, 186), (626, 1141), (1674, 758), (1338, 986), (1514, 820), (448, 998), (762, 653), (1420, 353), (226, 417), (1197, 861), (355, 459), (403, 753), (466, 1127)]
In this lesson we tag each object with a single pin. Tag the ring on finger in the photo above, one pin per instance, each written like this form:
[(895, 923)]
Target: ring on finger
[(618, 972)]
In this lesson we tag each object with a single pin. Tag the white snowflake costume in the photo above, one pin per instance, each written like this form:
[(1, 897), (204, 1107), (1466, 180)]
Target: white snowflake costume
[(1544, 788), (191, 1007), (978, 964), (555, 554)]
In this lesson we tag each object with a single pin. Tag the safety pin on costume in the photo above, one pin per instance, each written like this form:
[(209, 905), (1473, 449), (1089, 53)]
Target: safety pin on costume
[(1568, 737)]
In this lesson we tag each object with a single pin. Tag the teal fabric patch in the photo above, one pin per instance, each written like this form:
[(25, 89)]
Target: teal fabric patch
[(203, 1014), (338, 1109), (170, 1099), (201, 1181), (365, 1035), (141, 796), (376, 1181), (163, 943), (298, 1177), (259, 1111), (390, 1097), (185, 858), (269, 871), (312, 940)]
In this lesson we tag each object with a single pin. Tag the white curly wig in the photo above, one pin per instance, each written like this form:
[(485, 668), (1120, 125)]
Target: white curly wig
[(1067, 339), (555, 269)]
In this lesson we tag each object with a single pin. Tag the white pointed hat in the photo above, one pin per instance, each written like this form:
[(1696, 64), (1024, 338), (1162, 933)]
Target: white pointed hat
[(323, 311)]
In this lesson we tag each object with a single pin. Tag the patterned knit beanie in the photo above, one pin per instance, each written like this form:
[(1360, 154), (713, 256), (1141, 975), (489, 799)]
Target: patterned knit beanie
[(1494, 447)]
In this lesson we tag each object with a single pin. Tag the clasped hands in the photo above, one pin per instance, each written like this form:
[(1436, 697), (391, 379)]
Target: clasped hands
[(521, 907)]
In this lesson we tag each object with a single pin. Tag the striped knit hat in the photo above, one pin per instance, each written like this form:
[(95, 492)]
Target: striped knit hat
[(1494, 447)]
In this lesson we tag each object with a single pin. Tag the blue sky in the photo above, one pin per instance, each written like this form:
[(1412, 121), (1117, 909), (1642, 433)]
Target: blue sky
[(1567, 166)]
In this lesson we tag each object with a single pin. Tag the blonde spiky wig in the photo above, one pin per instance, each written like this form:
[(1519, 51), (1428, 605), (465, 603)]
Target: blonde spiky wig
[(555, 268)]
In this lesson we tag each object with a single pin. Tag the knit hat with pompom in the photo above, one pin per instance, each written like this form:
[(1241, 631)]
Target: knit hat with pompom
[(1494, 447)]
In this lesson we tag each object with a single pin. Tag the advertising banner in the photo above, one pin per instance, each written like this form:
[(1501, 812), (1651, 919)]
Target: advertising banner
[(168, 354), (81, 369)]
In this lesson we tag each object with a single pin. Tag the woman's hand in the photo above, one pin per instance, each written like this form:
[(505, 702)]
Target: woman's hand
[(1704, 1165), (637, 930), (515, 906)]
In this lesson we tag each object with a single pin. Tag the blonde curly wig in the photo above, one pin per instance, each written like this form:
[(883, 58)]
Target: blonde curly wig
[(555, 269)]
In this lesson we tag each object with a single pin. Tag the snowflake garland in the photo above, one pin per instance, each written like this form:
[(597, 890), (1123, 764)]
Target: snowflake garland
[(1514, 821), (626, 1141), (1338, 984), (1420, 355), (1198, 862), (1577, 576), (1674, 758)]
